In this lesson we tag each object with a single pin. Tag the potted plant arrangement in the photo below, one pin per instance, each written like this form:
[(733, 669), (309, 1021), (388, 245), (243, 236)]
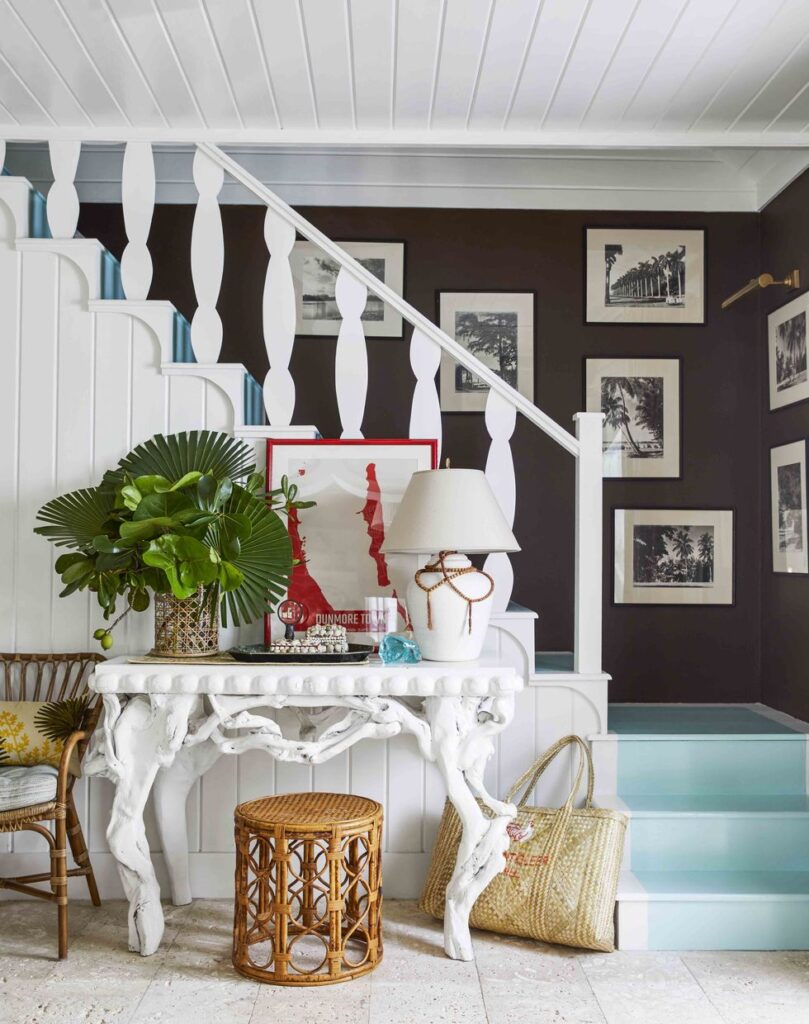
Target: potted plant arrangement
[(187, 519)]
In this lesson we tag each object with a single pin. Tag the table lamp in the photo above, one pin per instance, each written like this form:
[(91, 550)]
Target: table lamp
[(449, 513)]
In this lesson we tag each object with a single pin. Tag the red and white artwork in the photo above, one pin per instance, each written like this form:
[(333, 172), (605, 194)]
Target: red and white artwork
[(357, 485)]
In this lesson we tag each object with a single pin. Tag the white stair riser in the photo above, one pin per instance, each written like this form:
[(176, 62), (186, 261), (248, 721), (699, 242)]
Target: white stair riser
[(705, 842)]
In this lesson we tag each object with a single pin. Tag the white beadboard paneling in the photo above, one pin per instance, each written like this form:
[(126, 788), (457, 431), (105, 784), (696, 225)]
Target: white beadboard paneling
[(199, 61), (73, 439), (10, 364), (502, 61), (731, 43), (639, 50), (691, 36), (779, 97), (517, 747), (37, 427), (599, 33), (555, 34), (286, 56), (325, 30), (219, 792), (68, 60), (419, 24), (374, 30), (404, 806), (759, 67), (466, 27)]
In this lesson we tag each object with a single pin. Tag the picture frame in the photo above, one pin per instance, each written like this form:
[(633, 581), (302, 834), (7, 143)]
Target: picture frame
[(644, 275), (314, 278), (641, 399), (499, 327), (357, 484), (786, 353), (675, 557), (790, 554)]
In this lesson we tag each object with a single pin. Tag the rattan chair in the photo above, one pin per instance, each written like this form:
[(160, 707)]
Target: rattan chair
[(47, 677)]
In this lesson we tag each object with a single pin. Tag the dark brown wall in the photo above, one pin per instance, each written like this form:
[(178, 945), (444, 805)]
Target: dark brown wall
[(785, 636), (654, 654)]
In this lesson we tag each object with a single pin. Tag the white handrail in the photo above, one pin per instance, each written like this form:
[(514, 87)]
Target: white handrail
[(418, 320)]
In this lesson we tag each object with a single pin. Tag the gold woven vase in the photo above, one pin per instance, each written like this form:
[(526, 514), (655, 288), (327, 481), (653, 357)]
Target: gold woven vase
[(185, 629)]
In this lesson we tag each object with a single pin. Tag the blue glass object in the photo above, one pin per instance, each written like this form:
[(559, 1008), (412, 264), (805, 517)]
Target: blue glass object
[(397, 649)]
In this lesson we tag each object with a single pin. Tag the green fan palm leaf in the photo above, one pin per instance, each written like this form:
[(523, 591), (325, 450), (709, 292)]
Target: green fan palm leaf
[(204, 451), (72, 520), (58, 719), (264, 559)]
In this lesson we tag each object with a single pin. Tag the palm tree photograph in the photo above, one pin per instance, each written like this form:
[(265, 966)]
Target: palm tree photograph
[(788, 507), (498, 329), (644, 275), (673, 556), (640, 400), (790, 352)]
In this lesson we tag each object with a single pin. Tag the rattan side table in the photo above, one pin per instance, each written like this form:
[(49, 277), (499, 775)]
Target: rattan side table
[(308, 888)]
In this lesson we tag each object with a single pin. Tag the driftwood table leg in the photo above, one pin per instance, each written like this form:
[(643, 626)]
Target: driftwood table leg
[(136, 741), (461, 738), (171, 789)]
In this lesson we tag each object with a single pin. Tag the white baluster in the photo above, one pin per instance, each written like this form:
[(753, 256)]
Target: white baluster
[(589, 505), (501, 418), (425, 410), (351, 360), (63, 199), (207, 259), (137, 198), (279, 321)]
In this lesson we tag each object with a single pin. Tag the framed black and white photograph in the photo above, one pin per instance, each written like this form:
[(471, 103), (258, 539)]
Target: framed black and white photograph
[(676, 556), (497, 328), (786, 331), (640, 400), (315, 277), (645, 276), (788, 502)]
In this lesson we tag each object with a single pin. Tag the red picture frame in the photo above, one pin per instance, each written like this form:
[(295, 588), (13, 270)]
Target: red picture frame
[(354, 481)]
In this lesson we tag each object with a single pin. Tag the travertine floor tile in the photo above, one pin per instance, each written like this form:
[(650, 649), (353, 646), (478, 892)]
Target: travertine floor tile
[(190, 980)]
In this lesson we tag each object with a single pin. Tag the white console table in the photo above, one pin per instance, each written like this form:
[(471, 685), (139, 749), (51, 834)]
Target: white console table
[(164, 725)]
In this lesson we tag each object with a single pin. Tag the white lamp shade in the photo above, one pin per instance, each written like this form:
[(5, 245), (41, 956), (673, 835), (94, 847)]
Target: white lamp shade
[(449, 510)]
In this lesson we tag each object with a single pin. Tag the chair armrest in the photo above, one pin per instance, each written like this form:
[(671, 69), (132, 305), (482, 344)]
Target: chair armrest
[(64, 781)]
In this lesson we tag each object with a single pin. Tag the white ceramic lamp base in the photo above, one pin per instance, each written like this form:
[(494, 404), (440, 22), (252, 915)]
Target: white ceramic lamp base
[(450, 638)]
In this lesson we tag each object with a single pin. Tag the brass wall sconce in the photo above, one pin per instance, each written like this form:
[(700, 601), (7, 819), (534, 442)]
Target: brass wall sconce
[(792, 280)]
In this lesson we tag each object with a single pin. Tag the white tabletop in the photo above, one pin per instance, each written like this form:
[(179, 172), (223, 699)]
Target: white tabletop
[(426, 679)]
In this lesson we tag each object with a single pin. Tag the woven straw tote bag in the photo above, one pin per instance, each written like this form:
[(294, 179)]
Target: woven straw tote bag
[(562, 865)]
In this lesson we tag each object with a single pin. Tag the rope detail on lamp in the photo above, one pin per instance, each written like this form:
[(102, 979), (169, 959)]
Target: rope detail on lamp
[(447, 576)]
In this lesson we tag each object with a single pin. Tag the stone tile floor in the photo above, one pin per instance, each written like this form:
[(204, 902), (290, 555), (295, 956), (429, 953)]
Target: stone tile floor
[(190, 980)]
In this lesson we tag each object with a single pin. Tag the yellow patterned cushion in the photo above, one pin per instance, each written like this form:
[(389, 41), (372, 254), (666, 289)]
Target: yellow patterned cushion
[(21, 740)]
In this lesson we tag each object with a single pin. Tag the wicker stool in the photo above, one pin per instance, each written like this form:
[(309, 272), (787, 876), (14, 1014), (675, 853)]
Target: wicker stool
[(308, 897)]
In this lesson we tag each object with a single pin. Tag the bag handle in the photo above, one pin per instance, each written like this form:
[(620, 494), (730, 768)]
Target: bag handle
[(531, 777)]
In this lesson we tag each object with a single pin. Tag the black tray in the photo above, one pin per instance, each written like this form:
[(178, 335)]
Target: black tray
[(356, 655)]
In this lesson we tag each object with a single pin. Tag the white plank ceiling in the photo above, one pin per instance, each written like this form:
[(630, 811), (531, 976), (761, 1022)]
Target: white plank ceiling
[(538, 74)]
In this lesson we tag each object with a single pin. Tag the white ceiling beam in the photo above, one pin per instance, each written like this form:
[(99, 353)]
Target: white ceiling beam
[(416, 138)]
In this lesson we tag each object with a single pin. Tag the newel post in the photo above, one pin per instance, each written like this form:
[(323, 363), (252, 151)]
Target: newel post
[(589, 534)]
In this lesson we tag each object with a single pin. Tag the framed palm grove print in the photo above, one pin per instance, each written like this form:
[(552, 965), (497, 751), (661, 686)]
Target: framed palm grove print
[(674, 556), (314, 277), (788, 504), (644, 275), (497, 328), (786, 334), (640, 400)]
